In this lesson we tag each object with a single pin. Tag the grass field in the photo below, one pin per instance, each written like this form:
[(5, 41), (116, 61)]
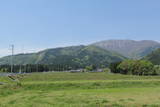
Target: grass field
[(81, 90)]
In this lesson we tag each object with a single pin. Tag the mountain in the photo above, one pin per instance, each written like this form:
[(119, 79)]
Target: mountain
[(129, 48), (73, 56), (154, 57)]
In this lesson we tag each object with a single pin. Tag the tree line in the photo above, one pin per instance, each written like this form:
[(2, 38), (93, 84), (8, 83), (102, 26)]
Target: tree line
[(128, 67), (135, 67), (29, 68), (35, 68)]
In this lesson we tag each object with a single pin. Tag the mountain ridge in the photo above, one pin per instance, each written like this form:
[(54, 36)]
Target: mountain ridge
[(129, 48), (103, 52), (74, 56)]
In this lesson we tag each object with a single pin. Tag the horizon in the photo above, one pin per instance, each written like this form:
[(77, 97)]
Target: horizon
[(74, 53), (30, 52), (37, 25)]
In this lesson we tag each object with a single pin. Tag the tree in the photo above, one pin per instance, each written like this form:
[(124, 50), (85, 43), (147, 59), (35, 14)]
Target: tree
[(136, 67), (89, 68), (113, 67)]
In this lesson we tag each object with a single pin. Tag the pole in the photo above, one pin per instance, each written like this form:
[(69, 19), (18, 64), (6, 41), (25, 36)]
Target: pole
[(12, 49), (20, 71)]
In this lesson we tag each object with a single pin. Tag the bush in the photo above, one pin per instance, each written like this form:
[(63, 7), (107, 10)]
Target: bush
[(106, 70)]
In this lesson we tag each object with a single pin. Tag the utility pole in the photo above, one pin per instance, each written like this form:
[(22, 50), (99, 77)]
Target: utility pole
[(12, 49), (20, 71)]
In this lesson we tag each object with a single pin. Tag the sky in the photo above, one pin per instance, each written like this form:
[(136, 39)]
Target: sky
[(34, 25)]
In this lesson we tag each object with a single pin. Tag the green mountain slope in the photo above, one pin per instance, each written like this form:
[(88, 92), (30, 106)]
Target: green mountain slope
[(73, 56), (154, 57), (129, 48)]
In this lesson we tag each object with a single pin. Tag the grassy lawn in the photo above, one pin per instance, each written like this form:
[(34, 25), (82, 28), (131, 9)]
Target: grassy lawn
[(81, 90)]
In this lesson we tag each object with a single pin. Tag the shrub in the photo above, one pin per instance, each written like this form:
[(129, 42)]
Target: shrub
[(107, 70)]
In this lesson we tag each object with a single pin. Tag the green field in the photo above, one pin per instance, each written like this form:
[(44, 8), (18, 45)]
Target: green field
[(81, 90)]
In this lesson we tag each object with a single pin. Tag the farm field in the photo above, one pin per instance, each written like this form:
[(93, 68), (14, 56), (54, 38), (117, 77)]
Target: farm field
[(80, 90)]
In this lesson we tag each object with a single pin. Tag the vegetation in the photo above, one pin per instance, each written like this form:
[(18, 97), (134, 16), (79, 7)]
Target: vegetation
[(138, 87), (154, 57), (129, 48), (80, 89), (134, 67), (73, 57), (106, 70), (114, 67), (29, 68), (157, 69)]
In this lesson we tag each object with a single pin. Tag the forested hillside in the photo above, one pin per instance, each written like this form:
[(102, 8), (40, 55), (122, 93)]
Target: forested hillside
[(74, 56), (154, 57)]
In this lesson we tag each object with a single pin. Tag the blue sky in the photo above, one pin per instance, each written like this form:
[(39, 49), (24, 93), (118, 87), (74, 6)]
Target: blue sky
[(33, 25)]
